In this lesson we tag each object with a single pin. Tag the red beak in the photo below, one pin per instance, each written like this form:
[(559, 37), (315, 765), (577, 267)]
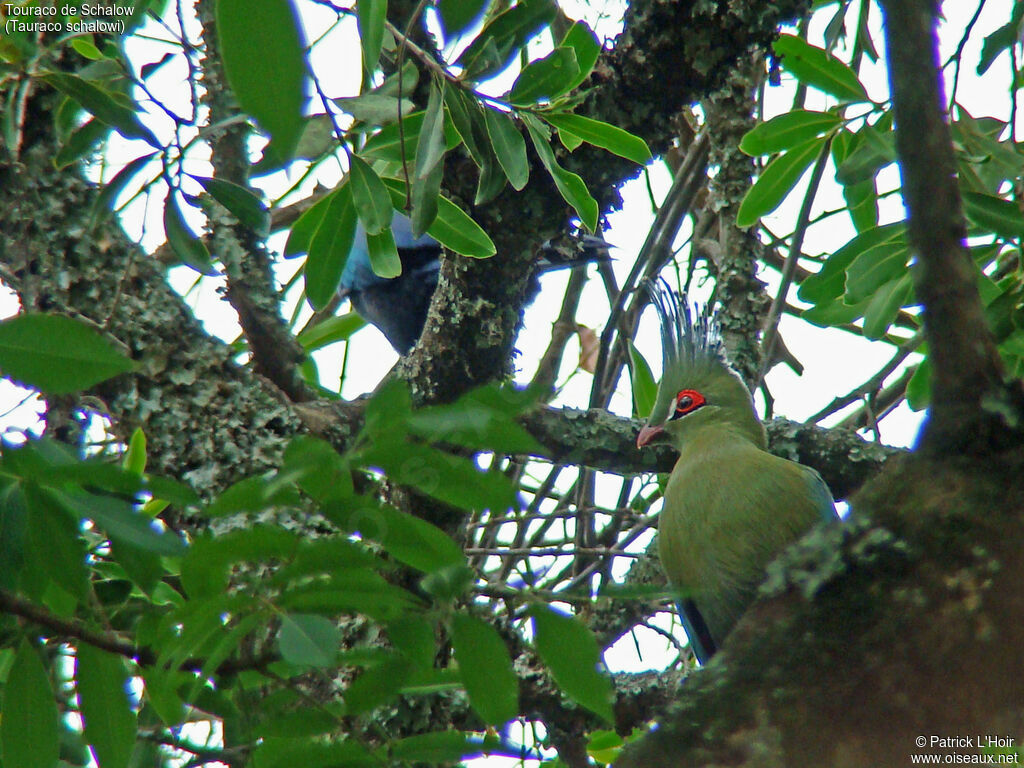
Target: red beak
[(647, 434)]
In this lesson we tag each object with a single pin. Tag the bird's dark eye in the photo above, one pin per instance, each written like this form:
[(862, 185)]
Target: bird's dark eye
[(688, 401)]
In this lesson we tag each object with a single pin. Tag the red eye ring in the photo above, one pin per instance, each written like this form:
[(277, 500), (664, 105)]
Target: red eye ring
[(688, 401)]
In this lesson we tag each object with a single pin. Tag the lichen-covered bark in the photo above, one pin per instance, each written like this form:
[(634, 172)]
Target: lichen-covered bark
[(670, 54), (208, 421), (905, 623), (970, 406), (251, 288), (733, 254)]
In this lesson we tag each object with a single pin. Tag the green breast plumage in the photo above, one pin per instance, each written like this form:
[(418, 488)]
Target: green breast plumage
[(730, 508)]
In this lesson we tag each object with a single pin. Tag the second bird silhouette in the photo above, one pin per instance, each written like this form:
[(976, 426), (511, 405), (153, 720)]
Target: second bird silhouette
[(398, 306)]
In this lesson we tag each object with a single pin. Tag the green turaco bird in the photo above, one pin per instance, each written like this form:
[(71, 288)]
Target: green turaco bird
[(730, 507)]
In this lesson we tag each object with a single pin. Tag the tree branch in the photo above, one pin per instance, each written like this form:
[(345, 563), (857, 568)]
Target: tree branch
[(247, 264), (967, 373)]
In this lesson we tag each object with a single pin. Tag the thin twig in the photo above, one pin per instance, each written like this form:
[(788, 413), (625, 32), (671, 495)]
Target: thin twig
[(872, 385), (789, 269)]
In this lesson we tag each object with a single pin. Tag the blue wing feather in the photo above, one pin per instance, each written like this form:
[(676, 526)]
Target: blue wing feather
[(821, 496), (398, 306), (696, 630)]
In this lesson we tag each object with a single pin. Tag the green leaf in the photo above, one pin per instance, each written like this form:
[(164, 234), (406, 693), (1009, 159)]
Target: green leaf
[(830, 281), (204, 569), (377, 685), (484, 419), (570, 186), (262, 48), (816, 68), (87, 48), (485, 669), (492, 180), (445, 585), (919, 388), (453, 227), (110, 726), (161, 694), (452, 479), (604, 746), (399, 145), (371, 198), (314, 752), (13, 533), (56, 354), (246, 206), (330, 247), (384, 257), (885, 304), (143, 567), (571, 653), (998, 160), (584, 42), (430, 147), (135, 456), (30, 726), (496, 45), (458, 15), (834, 313), (777, 181), (119, 521), (994, 214), (988, 290), (414, 636), (308, 641), (462, 109), (189, 248), (509, 147), (103, 105), (112, 189), (333, 329), (356, 592), (440, 748), (874, 268), (82, 140), (407, 538), (470, 123), (569, 140), (875, 150), (1004, 37), (787, 131), (546, 79), (615, 140), (376, 108), (333, 555), (305, 227), (56, 548), (862, 202), (861, 198), (316, 140), (388, 410), (370, 16), (426, 194), (645, 388)]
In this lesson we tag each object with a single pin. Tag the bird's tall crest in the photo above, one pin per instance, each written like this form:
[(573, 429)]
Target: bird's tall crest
[(691, 339)]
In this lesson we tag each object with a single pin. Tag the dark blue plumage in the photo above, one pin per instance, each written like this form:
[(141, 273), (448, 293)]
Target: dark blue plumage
[(398, 306)]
